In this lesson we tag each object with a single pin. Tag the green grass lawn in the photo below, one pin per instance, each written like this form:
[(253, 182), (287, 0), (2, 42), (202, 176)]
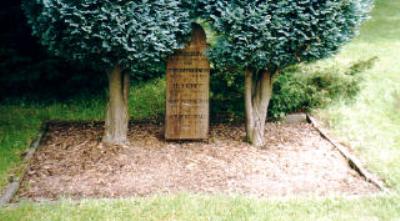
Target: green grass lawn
[(371, 125), (193, 207)]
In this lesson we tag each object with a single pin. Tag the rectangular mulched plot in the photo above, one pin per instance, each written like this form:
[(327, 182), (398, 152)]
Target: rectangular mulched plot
[(72, 162)]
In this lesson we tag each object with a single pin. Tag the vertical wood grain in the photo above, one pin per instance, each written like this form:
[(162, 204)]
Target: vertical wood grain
[(188, 86)]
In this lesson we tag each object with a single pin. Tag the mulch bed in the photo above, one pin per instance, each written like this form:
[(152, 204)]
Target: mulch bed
[(72, 162)]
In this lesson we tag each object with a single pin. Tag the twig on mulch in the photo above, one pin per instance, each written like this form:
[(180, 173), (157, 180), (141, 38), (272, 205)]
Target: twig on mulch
[(353, 161), (14, 184)]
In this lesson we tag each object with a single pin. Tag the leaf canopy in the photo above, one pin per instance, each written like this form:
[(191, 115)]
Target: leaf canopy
[(258, 34), (273, 34), (135, 34)]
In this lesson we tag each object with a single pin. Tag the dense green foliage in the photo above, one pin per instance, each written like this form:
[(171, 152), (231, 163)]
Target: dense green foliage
[(278, 33), (302, 90), (295, 89), (136, 35)]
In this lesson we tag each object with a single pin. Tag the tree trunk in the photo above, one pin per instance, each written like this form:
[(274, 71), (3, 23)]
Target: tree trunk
[(258, 92), (117, 117)]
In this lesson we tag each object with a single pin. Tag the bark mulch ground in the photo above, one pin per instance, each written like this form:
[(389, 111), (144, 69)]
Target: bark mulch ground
[(72, 162)]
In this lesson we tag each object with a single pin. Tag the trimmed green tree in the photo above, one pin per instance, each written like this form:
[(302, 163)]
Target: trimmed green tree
[(260, 38), (119, 37)]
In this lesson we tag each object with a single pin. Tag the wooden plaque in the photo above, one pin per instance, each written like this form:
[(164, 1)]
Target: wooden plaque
[(188, 85)]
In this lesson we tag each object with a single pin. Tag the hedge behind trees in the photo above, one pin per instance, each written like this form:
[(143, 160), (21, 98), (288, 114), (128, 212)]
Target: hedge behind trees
[(296, 89)]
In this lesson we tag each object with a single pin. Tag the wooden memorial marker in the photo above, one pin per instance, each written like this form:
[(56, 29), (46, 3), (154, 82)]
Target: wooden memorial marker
[(188, 85)]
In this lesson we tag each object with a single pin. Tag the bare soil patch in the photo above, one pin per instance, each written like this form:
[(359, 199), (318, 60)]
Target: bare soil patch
[(72, 162)]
